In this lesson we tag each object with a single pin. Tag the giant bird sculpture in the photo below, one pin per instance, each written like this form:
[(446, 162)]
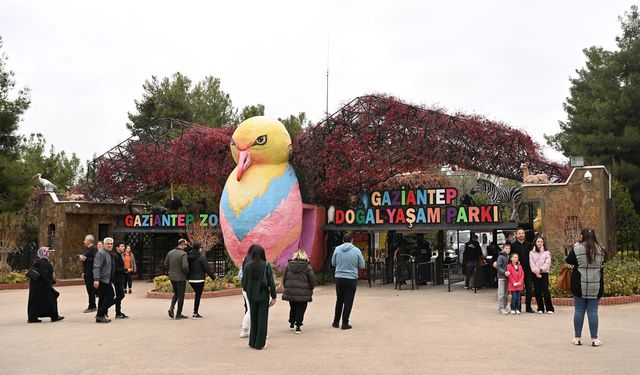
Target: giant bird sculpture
[(261, 202), (46, 184)]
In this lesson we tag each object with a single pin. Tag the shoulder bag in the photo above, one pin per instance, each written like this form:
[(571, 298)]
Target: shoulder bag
[(564, 278)]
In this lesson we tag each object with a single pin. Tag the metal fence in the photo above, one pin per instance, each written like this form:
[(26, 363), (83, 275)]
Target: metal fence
[(628, 240), (24, 259)]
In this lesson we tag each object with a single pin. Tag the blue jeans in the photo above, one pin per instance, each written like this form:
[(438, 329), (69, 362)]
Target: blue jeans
[(591, 308), (516, 300)]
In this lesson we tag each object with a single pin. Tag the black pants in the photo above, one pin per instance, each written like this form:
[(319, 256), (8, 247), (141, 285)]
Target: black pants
[(197, 287), (259, 320), (296, 312), (119, 287), (345, 293), (178, 295), (471, 269), (129, 279), (528, 286), (91, 291), (541, 286), (105, 298)]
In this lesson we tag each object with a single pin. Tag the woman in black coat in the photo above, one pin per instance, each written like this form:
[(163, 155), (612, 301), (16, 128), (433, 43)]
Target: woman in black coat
[(43, 299), (298, 281), (198, 269)]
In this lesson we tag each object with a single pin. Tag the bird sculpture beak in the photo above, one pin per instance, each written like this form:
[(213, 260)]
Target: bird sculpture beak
[(244, 161)]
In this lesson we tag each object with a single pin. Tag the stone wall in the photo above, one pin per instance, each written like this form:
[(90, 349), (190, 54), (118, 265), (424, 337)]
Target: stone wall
[(73, 220), (575, 204)]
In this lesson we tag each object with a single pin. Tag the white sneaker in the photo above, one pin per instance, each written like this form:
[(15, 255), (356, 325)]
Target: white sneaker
[(243, 335), (550, 312), (540, 312), (576, 341), (503, 312), (518, 312), (596, 342), (513, 312)]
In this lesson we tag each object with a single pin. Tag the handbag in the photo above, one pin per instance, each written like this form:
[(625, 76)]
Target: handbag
[(564, 278), (32, 274)]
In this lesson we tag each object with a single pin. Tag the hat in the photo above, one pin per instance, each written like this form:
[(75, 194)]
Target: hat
[(182, 241)]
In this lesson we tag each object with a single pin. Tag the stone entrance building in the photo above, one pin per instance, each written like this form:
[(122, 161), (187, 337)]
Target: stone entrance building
[(584, 200)]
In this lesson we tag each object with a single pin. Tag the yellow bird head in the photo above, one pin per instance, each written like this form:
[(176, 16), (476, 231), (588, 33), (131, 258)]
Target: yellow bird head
[(259, 140)]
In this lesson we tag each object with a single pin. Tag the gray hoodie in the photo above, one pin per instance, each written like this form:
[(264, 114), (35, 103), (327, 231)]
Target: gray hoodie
[(501, 264), (347, 259)]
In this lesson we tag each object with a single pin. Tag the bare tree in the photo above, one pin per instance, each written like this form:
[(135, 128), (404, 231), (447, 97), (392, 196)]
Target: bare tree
[(572, 227), (11, 235), (205, 235)]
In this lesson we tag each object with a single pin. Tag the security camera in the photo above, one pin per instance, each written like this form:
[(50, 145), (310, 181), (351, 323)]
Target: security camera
[(588, 176), (77, 205)]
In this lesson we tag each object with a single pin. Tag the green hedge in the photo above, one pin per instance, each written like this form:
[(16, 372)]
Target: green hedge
[(621, 277), (163, 284)]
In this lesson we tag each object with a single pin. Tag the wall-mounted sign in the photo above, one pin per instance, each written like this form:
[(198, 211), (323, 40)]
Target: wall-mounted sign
[(414, 206), (170, 220)]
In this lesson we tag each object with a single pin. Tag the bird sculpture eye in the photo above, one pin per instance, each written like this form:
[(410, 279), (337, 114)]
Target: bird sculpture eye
[(261, 140)]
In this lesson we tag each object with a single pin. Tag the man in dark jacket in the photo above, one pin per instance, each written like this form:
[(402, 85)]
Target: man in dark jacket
[(119, 279), (87, 270), (298, 281), (471, 257), (177, 264), (522, 247), (103, 275)]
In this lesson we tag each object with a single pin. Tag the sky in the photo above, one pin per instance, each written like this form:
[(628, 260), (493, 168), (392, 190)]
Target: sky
[(85, 62)]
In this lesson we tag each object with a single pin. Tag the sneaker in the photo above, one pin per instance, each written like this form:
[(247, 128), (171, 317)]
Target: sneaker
[(576, 341), (291, 327), (503, 312), (244, 335), (102, 319), (335, 325), (550, 312), (346, 326), (34, 321), (196, 316), (299, 331), (513, 312), (170, 313), (122, 316), (181, 317), (89, 309), (530, 310), (596, 342), (517, 312), (540, 312)]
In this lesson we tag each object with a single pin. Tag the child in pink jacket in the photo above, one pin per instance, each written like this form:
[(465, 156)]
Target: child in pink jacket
[(515, 283)]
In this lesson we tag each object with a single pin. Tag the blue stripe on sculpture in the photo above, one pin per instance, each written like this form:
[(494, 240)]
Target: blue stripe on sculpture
[(261, 207)]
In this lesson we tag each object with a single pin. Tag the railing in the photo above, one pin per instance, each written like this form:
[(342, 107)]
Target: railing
[(628, 240)]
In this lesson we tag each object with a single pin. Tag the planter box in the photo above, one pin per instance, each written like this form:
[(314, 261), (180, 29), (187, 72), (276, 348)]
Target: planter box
[(564, 301), (61, 282), (214, 294)]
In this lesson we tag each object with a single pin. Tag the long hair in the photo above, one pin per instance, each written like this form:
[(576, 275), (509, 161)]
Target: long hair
[(256, 256), (535, 246), (590, 243), (249, 255)]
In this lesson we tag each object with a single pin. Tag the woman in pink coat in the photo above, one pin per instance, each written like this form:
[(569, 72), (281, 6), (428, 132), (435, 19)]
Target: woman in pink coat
[(540, 262), (515, 283)]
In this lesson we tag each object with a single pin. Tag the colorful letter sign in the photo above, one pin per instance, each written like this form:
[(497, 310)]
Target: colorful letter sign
[(170, 220), (415, 206)]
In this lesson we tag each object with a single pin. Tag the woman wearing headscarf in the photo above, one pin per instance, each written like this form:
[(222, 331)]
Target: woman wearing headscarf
[(43, 299), (258, 283)]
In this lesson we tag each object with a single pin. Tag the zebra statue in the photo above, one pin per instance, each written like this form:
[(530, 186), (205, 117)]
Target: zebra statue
[(500, 195)]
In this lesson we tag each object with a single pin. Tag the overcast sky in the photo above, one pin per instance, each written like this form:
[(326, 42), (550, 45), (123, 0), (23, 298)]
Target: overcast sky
[(86, 61)]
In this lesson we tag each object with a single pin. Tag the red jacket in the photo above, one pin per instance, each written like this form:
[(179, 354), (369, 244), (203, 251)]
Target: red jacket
[(515, 276)]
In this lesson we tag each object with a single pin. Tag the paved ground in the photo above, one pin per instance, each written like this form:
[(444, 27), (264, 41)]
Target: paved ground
[(428, 331)]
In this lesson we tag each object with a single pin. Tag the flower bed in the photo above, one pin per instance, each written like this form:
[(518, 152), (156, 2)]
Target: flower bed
[(212, 288)]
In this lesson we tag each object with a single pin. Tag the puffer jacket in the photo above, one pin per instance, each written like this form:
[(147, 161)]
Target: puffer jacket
[(298, 281)]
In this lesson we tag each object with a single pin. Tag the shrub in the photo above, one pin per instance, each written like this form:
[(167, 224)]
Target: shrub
[(13, 278), (163, 284), (621, 277)]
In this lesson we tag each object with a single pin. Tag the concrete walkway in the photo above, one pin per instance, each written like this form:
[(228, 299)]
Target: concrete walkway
[(428, 331)]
